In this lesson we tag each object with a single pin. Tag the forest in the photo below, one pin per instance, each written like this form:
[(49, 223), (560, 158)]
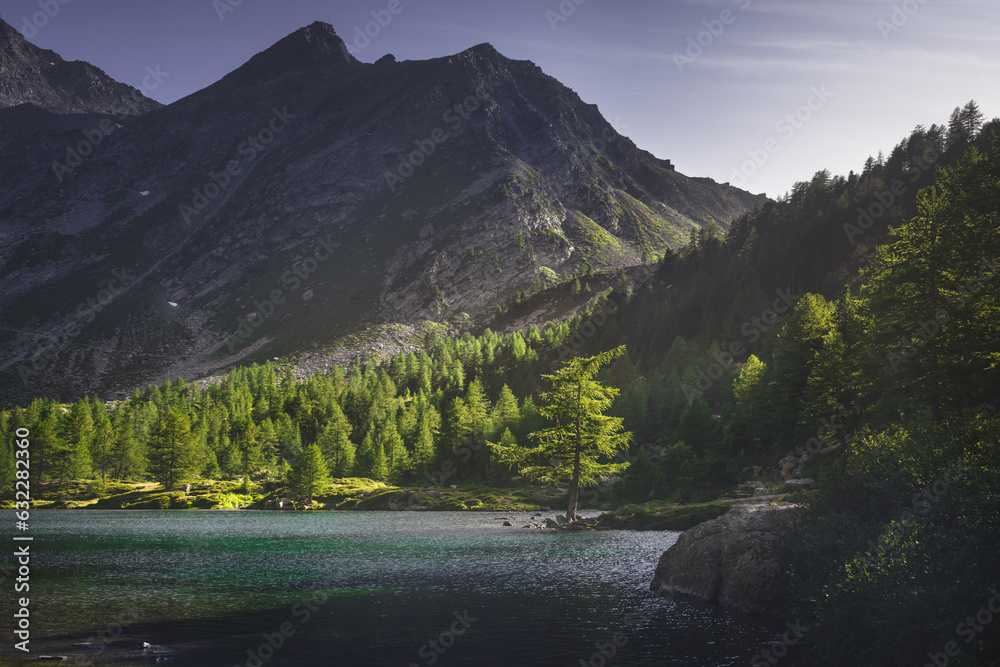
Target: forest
[(852, 326)]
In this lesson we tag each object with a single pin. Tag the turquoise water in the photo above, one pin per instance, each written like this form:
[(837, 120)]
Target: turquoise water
[(358, 588)]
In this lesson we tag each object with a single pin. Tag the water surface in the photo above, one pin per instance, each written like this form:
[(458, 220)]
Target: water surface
[(360, 588)]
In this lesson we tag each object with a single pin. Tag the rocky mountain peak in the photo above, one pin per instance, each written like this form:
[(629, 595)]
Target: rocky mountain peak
[(29, 74), (315, 44)]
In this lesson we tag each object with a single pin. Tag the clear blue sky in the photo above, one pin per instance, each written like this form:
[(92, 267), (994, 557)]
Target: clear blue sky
[(704, 115)]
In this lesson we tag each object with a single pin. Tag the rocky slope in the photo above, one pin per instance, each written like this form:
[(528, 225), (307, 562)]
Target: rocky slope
[(307, 196)]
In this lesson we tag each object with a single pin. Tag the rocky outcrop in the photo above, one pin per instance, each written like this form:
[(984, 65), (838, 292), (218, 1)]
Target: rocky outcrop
[(797, 484), (731, 559)]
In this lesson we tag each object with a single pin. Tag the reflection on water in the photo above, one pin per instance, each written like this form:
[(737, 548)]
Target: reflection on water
[(361, 588)]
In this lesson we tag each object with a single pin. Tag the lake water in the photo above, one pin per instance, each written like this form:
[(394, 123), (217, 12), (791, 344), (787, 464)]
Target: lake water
[(209, 588)]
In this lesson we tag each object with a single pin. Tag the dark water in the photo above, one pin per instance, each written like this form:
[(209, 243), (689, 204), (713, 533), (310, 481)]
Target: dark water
[(358, 588)]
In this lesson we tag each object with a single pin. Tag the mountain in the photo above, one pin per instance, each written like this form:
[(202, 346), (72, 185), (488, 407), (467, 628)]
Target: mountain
[(30, 75), (306, 197), (47, 103)]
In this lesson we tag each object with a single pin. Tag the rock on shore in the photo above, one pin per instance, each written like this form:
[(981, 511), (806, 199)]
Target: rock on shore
[(731, 559)]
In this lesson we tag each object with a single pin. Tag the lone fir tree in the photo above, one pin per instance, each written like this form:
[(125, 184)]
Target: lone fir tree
[(582, 434)]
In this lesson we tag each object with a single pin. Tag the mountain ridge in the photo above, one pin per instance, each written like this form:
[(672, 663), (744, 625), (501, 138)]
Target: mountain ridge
[(508, 183)]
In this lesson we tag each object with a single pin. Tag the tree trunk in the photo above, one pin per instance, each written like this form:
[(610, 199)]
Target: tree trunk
[(574, 485)]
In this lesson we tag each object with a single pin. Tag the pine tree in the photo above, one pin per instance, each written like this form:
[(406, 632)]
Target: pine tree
[(423, 447), (582, 433), (338, 450), (370, 460), (127, 455), (748, 388), (102, 444), (171, 449), (212, 470), (389, 442), (246, 440), (309, 475), (699, 428), (7, 450), (506, 411), (73, 458)]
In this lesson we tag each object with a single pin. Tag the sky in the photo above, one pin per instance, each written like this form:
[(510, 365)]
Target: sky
[(759, 93)]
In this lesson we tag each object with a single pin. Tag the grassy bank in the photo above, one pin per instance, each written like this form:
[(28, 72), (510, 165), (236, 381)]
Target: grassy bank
[(340, 494)]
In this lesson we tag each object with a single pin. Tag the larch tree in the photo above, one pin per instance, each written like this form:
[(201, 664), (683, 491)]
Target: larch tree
[(309, 474), (171, 449), (335, 443), (582, 434)]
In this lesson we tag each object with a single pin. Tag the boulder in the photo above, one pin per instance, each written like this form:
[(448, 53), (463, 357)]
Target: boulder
[(751, 486), (732, 559), (508, 523), (549, 523), (561, 519), (796, 484), (286, 504), (761, 492)]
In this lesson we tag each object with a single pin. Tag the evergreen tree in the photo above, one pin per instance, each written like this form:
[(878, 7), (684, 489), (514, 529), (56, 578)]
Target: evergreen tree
[(583, 433), (127, 455), (389, 442), (506, 411), (73, 458), (102, 444), (212, 470), (7, 450), (423, 447), (699, 428), (171, 449), (309, 475), (335, 443), (748, 388)]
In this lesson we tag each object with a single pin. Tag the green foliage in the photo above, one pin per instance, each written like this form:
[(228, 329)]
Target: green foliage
[(583, 435), (171, 456), (309, 474)]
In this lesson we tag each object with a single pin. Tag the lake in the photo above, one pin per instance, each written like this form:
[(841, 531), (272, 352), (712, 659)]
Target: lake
[(254, 588)]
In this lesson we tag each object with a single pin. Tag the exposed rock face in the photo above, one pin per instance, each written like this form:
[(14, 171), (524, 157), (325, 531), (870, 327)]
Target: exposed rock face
[(730, 559), (305, 198), (31, 75)]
